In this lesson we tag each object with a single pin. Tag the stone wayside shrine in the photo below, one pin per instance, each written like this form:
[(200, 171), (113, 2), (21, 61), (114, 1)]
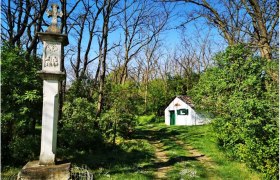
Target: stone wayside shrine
[(53, 44)]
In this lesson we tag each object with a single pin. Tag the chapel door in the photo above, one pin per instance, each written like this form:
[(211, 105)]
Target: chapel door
[(172, 117)]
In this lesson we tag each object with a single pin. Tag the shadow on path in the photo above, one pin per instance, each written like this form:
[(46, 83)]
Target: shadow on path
[(156, 137), (117, 160)]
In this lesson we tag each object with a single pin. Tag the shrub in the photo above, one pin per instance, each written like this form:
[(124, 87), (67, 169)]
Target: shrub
[(122, 105), (242, 95), (24, 149), (21, 100), (78, 118), (146, 119), (114, 123)]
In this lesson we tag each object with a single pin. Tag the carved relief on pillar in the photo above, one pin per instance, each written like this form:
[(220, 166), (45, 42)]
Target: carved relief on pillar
[(52, 56), (51, 60)]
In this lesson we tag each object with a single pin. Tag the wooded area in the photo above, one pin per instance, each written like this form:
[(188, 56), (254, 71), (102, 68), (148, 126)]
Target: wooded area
[(120, 69)]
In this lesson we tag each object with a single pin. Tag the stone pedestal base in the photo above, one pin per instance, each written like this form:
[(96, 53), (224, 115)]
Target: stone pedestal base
[(32, 170)]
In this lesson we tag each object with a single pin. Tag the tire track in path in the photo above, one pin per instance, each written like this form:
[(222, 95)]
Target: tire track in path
[(161, 160), (204, 160)]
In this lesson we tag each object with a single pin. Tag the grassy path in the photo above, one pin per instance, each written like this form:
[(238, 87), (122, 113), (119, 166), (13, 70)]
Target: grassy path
[(161, 158), (159, 152), (204, 160), (173, 155), (190, 153)]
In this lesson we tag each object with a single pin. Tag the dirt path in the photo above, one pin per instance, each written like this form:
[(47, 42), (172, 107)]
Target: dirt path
[(195, 153), (161, 158), (204, 160), (162, 165)]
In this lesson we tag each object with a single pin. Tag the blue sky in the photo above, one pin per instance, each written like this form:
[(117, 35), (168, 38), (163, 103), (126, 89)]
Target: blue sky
[(171, 39)]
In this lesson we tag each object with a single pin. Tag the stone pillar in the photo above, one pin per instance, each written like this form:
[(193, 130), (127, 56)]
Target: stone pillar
[(52, 75)]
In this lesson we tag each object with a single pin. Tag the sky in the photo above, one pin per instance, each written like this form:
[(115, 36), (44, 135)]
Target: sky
[(170, 38)]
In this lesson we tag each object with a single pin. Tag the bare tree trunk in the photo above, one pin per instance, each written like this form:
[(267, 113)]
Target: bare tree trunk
[(109, 4), (132, 24), (21, 26), (256, 25), (150, 61), (260, 28), (91, 27)]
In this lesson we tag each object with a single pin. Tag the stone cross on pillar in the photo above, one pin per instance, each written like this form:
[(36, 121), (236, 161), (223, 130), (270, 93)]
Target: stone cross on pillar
[(54, 14), (52, 75)]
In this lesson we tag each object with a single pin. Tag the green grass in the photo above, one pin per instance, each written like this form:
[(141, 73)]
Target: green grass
[(126, 159), (183, 165), (135, 158), (9, 172), (202, 139), (145, 119)]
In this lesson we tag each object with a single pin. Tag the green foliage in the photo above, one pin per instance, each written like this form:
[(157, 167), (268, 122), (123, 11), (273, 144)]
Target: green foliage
[(21, 104), (161, 91), (125, 97), (179, 85), (82, 87), (146, 119), (114, 123), (122, 108), (242, 95), (77, 121), (79, 115), (157, 97), (25, 148)]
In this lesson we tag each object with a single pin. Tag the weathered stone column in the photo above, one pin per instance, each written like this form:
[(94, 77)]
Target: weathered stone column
[(52, 74)]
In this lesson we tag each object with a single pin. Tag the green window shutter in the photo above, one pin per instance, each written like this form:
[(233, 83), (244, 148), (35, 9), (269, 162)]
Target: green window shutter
[(182, 112)]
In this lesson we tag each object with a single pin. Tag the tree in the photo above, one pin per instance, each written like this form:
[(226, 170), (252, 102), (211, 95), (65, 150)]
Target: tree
[(23, 19), (122, 105), (103, 49), (265, 19), (21, 105), (196, 49), (149, 62), (84, 25), (242, 97), (239, 21), (136, 16)]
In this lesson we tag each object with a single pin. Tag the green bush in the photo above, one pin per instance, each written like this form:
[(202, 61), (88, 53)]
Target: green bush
[(83, 87), (242, 94), (122, 105), (146, 119), (21, 100), (24, 149), (78, 119), (114, 123)]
